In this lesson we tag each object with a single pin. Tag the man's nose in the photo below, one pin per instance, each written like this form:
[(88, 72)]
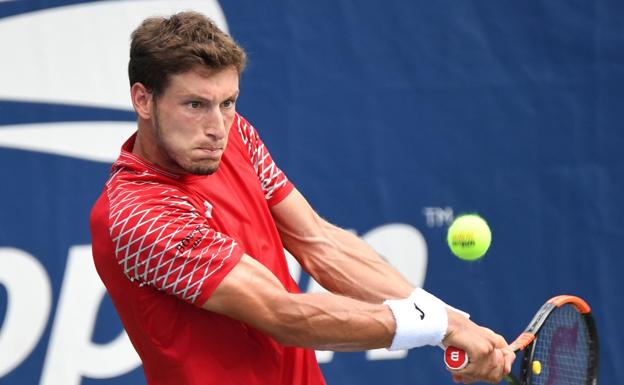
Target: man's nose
[(213, 125)]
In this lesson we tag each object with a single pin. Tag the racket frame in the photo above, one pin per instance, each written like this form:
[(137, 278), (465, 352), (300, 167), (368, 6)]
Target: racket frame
[(526, 340)]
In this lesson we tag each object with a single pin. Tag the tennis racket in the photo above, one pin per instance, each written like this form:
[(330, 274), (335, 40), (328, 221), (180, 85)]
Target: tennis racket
[(560, 346)]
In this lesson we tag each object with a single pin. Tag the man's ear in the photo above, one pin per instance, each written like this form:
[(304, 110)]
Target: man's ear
[(142, 100)]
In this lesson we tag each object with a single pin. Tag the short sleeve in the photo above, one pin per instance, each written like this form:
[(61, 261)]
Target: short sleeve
[(161, 240), (275, 184)]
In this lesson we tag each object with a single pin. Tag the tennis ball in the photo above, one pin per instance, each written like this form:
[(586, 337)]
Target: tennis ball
[(536, 367), (469, 237)]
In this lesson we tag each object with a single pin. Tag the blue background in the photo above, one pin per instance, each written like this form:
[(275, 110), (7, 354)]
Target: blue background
[(376, 110)]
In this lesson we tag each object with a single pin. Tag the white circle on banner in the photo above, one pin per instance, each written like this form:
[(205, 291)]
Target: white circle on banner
[(77, 55)]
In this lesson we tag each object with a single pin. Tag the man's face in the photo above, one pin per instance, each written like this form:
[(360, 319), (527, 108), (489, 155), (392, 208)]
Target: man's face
[(192, 120)]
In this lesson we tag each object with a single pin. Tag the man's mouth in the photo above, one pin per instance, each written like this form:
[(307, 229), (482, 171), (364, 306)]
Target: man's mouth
[(211, 151)]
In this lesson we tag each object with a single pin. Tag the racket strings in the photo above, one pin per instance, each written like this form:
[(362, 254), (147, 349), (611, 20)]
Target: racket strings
[(562, 348)]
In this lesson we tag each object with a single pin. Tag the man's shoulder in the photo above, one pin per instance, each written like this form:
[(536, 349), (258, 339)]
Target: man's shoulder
[(129, 187), (246, 130)]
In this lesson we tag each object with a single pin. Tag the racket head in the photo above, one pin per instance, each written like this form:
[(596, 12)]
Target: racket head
[(560, 344)]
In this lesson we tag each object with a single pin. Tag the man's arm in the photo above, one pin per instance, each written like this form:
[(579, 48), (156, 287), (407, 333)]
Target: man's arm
[(345, 264), (250, 293), (337, 259)]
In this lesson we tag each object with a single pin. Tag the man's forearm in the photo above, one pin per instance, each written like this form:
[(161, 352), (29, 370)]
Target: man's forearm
[(251, 294), (338, 260), (331, 322), (345, 264)]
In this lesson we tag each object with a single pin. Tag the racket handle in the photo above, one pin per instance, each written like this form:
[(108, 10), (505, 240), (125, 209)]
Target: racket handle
[(455, 358)]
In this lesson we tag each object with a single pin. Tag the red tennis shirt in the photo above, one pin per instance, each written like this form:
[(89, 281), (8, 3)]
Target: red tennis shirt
[(163, 242)]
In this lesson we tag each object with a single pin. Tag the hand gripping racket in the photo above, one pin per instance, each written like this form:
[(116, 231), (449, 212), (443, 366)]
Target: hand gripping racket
[(560, 346)]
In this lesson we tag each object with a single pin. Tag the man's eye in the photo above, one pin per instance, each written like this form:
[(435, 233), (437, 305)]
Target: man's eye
[(228, 104), (194, 105)]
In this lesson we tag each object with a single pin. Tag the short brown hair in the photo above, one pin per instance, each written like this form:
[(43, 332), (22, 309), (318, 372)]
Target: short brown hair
[(165, 46)]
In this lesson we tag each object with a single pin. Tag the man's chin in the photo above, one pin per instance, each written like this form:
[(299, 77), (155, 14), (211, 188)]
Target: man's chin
[(203, 169)]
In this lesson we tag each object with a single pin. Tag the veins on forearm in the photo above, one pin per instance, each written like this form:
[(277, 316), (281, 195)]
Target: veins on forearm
[(343, 263)]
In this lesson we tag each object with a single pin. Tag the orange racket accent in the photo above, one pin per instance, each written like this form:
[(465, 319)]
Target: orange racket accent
[(580, 304), (523, 341)]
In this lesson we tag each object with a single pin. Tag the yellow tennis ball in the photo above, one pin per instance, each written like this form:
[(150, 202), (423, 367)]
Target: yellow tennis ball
[(469, 237), (536, 367)]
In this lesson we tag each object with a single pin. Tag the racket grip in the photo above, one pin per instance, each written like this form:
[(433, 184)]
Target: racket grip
[(455, 358)]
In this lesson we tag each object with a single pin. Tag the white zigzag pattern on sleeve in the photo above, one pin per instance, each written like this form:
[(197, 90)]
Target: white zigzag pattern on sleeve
[(128, 213), (265, 167)]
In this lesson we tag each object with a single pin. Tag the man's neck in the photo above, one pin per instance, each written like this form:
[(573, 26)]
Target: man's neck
[(146, 148)]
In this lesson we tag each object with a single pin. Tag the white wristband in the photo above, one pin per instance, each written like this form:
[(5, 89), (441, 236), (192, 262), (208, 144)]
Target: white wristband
[(421, 320), (419, 291)]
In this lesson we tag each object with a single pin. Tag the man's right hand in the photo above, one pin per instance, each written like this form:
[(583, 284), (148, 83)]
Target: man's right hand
[(490, 357)]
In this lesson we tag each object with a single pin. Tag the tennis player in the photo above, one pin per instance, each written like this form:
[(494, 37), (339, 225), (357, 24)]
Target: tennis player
[(188, 237)]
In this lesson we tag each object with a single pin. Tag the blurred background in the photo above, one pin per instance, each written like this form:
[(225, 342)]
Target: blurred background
[(392, 117)]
